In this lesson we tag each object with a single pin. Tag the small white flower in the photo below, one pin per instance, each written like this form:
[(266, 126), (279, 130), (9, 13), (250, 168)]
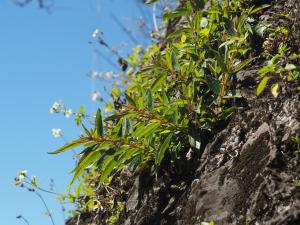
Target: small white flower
[(22, 174), (96, 96), (95, 33), (56, 132), (55, 108), (93, 74), (68, 113), (107, 75)]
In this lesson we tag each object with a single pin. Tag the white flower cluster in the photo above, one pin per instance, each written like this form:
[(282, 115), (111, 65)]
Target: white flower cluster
[(58, 107), (103, 75)]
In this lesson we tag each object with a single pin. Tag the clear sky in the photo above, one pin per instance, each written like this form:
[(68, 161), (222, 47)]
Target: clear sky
[(45, 57)]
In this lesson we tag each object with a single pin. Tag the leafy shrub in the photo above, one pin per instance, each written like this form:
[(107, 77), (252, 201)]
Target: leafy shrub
[(173, 93)]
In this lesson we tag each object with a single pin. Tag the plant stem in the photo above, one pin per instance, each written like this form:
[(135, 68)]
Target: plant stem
[(42, 189), (46, 207), (154, 18), (23, 219)]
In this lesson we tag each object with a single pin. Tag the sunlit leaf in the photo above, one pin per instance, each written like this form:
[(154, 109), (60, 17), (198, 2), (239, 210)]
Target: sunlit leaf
[(146, 130), (176, 13), (70, 145), (262, 85), (242, 65), (158, 81), (290, 67), (130, 100), (99, 123)]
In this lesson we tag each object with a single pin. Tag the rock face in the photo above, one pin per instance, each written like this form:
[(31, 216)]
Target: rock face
[(246, 175)]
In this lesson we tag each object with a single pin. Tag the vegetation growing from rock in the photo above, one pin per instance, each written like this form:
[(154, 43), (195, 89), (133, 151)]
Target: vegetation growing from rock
[(178, 93)]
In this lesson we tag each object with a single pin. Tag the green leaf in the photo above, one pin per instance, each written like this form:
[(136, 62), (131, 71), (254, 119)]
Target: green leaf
[(99, 123), (86, 160), (130, 100), (229, 26), (146, 130), (124, 127), (183, 38), (111, 163), (174, 60), (80, 114), (157, 83), (179, 33), (227, 112), (149, 99), (213, 84), (290, 67), (267, 69), (258, 9), (176, 13), (151, 1), (147, 69), (70, 145), (128, 155), (162, 149), (86, 131), (78, 190), (116, 116), (242, 65), (262, 85), (169, 59), (108, 167)]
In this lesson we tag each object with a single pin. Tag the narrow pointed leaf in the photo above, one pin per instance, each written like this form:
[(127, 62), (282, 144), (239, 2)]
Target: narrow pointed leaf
[(147, 130), (162, 149), (242, 65), (86, 130), (157, 83), (149, 99), (99, 123), (262, 85), (130, 100), (70, 145)]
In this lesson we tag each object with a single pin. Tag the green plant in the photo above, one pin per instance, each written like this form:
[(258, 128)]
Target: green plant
[(31, 185), (279, 69), (172, 95)]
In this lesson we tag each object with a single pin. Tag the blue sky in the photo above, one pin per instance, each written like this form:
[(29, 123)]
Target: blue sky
[(45, 57)]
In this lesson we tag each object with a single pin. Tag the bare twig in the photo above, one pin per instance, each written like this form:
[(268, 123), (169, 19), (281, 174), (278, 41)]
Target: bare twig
[(46, 206), (108, 60), (154, 18), (126, 30), (20, 217)]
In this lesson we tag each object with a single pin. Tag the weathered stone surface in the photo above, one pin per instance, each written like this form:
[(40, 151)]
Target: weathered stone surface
[(245, 176)]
